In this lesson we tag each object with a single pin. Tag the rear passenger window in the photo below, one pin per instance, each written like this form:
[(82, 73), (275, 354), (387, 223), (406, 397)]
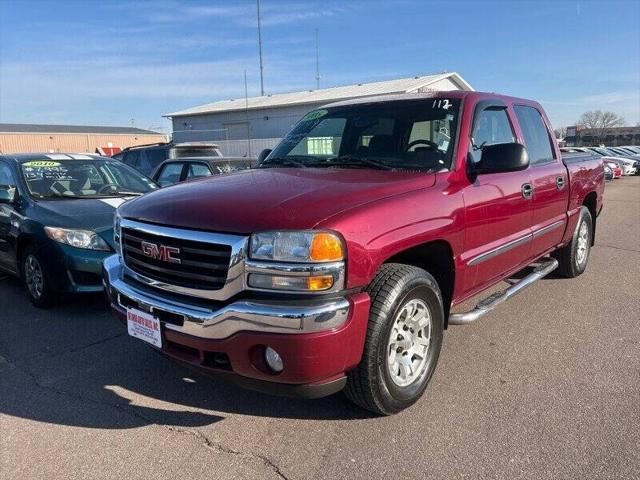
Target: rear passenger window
[(492, 126), (170, 174), (198, 170), (536, 135)]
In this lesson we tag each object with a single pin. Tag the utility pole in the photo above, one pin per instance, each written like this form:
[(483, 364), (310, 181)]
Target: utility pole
[(317, 62), (246, 114), (260, 50)]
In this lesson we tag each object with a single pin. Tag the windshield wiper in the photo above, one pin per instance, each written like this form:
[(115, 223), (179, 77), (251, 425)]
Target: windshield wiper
[(58, 195), (352, 160), (124, 192), (283, 161)]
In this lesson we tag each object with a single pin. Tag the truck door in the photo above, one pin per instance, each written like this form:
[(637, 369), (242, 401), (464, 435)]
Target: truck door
[(549, 179), (497, 205)]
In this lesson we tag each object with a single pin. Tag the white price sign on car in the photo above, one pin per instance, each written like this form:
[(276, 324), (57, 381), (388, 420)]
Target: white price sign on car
[(144, 326)]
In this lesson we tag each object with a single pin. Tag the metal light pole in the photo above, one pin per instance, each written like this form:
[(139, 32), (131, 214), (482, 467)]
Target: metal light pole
[(260, 50), (246, 114), (317, 62)]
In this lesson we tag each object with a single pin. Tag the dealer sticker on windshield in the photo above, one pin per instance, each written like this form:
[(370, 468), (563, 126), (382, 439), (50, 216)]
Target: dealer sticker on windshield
[(316, 114), (41, 164), (144, 326)]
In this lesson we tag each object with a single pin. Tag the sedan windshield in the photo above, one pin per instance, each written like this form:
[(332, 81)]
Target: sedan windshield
[(83, 179), (396, 135)]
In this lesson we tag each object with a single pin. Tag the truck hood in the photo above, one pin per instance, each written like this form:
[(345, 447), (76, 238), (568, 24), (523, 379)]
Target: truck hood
[(268, 199)]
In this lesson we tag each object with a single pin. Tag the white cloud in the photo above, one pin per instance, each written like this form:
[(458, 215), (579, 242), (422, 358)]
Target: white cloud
[(242, 14)]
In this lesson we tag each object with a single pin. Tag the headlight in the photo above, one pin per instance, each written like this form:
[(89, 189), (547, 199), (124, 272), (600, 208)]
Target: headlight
[(310, 261), (77, 238), (306, 246)]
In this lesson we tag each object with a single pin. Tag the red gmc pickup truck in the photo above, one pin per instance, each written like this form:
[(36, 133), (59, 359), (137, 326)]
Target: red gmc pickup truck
[(336, 263)]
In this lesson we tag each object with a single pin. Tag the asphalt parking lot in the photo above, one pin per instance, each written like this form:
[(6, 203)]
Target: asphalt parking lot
[(548, 386)]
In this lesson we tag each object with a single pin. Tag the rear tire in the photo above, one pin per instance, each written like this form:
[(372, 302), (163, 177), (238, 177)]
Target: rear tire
[(36, 279), (574, 256), (404, 338)]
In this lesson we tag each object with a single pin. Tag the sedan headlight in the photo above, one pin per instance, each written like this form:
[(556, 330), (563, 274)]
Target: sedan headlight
[(304, 246), (77, 238)]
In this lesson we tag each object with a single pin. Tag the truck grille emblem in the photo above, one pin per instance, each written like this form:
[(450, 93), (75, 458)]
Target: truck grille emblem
[(160, 252)]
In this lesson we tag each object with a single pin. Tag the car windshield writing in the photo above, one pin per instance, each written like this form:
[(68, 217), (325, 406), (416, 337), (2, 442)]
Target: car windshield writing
[(405, 134), (82, 179)]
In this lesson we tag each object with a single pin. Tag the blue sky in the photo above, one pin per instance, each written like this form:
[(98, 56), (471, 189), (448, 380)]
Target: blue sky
[(107, 62)]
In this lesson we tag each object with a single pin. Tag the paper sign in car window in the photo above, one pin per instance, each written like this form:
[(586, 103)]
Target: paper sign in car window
[(45, 170), (41, 164)]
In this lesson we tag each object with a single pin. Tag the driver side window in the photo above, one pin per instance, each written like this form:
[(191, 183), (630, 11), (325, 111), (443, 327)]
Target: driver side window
[(492, 126), (6, 176)]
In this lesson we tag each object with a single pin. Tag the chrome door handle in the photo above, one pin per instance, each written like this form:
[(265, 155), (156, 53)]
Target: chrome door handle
[(527, 190), (560, 183)]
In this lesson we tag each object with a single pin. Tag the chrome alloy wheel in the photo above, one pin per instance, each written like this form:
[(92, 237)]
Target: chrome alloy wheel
[(33, 276), (583, 244), (409, 343)]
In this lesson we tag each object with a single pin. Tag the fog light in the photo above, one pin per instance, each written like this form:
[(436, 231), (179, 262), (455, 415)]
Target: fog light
[(273, 360)]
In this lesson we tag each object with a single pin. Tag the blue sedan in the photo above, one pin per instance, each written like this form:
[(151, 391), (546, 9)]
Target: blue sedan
[(56, 219)]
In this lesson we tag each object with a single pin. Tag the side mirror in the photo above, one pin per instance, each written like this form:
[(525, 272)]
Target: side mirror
[(8, 193), (263, 154), (500, 158)]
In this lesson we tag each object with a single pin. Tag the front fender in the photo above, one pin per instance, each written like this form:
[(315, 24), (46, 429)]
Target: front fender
[(378, 231)]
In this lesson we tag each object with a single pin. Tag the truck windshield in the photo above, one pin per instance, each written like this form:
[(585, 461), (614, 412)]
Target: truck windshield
[(47, 179), (393, 135)]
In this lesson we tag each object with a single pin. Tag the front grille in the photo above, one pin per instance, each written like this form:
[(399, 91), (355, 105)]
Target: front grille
[(202, 266)]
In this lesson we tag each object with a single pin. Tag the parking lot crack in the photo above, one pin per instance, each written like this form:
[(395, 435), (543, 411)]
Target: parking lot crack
[(80, 398), (202, 438), (44, 356), (618, 248), (219, 448)]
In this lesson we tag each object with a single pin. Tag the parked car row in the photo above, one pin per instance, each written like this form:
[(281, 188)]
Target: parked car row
[(619, 160), (316, 271), (147, 158), (170, 163)]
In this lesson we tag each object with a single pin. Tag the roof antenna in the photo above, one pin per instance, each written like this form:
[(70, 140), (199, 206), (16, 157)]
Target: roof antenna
[(317, 62), (260, 50)]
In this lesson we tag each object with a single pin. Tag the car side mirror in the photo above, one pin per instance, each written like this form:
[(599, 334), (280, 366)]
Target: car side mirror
[(263, 154), (501, 158), (8, 193)]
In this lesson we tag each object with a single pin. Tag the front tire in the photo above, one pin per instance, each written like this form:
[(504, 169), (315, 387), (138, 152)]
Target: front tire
[(404, 338), (36, 279), (573, 257)]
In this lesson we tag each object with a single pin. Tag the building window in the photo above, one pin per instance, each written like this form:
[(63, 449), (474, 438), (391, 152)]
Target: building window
[(320, 146)]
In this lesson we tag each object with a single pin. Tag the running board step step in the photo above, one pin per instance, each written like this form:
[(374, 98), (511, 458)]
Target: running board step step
[(492, 301)]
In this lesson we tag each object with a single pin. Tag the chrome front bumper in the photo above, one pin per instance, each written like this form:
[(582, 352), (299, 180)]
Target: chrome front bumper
[(245, 315)]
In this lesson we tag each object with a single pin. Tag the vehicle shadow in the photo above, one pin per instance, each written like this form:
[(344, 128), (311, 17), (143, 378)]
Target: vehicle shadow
[(75, 365)]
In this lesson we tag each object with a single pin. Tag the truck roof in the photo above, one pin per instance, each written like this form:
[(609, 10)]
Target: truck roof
[(458, 94)]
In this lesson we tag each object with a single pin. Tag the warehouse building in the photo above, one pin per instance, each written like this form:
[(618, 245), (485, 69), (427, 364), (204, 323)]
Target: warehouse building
[(29, 138), (243, 127)]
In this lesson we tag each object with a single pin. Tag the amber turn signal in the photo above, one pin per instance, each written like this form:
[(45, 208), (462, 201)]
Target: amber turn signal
[(325, 247), (324, 282)]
